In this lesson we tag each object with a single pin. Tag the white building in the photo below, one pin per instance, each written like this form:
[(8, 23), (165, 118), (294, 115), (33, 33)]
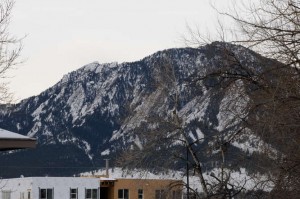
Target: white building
[(50, 188)]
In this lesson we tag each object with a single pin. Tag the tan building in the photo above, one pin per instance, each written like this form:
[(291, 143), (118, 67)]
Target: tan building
[(140, 189)]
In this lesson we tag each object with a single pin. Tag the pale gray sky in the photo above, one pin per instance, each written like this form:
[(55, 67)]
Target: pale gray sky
[(63, 35)]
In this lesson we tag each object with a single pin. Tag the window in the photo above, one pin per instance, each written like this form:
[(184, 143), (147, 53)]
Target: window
[(46, 193), (160, 194), (91, 193), (73, 193), (123, 194), (25, 195), (6, 194), (176, 194), (140, 194), (22, 195)]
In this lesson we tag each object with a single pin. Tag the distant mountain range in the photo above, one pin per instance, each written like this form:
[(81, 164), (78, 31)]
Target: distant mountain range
[(91, 113)]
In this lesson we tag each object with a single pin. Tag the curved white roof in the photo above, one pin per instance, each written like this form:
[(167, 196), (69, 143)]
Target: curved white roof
[(11, 141), (10, 135)]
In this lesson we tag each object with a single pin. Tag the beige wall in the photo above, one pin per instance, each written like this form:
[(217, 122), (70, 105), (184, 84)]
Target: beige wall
[(148, 186)]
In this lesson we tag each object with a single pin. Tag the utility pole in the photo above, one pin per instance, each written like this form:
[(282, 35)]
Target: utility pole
[(107, 167)]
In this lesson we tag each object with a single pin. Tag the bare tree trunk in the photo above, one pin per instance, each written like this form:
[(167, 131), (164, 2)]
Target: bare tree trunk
[(197, 168), (195, 158)]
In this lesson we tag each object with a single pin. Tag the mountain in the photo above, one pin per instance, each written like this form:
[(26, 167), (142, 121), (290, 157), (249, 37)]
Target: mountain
[(91, 113)]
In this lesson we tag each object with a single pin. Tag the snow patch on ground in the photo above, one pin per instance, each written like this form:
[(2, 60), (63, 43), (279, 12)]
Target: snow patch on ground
[(191, 135), (87, 149), (200, 134), (47, 133), (115, 135), (106, 152), (82, 144), (38, 111), (76, 101), (195, 109), (230, 108), (239, 178), (61, 94), (249, 143), (34, 129), (138, 142), (141, 112)]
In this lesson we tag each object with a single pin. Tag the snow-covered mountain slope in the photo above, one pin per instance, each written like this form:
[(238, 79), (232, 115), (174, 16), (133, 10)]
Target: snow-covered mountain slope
[(92, 112)]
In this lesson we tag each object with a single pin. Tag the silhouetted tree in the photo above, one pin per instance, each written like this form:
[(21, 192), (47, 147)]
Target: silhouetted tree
[(10, 48)]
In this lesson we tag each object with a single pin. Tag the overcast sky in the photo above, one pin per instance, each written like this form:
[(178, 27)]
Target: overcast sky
[(63, 35)]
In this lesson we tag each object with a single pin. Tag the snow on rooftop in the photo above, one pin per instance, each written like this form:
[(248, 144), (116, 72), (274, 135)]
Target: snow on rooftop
[(60, 186), (5, 134), (108, 179), (239, 177)]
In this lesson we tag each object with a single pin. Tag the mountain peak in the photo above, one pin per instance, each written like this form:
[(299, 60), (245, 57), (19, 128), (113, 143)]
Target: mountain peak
[(95, 109)]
